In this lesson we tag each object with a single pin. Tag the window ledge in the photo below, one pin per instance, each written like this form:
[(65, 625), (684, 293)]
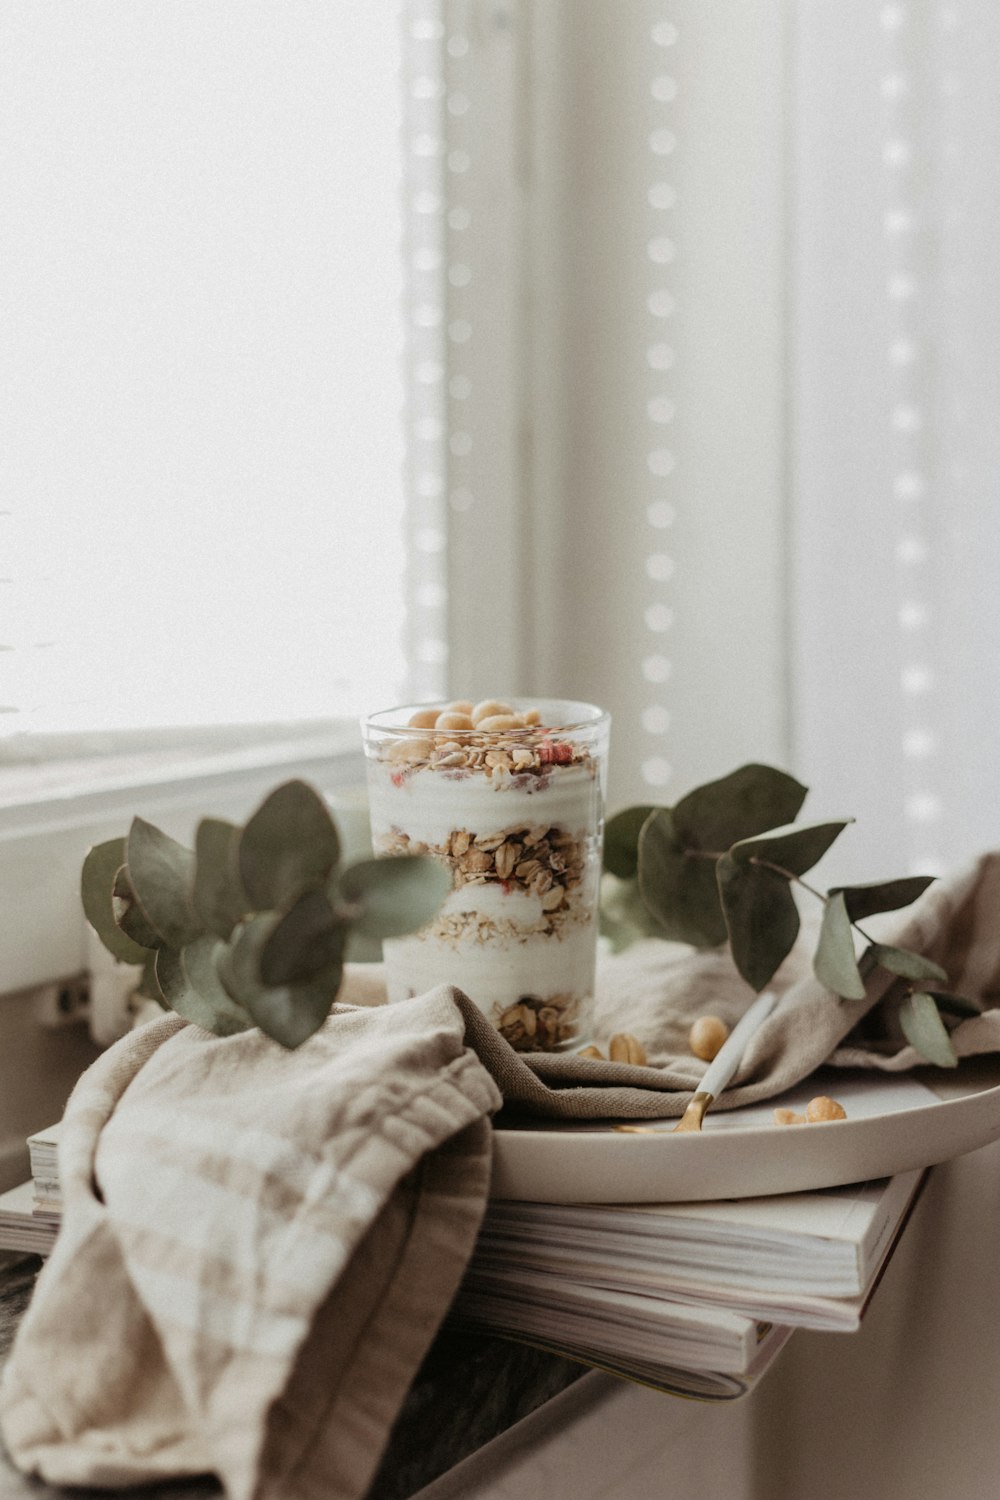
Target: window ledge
[(51, 787), (54, 806)]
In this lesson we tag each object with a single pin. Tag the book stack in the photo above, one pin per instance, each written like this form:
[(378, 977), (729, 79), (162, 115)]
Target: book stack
[(696, 1298), (30, 1213), (692, 1298)]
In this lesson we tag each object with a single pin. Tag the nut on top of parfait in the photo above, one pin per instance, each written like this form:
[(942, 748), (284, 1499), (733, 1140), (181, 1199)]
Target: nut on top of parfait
[(491, 738)]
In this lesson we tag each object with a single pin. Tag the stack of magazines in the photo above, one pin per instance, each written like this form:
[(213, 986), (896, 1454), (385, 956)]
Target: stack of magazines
[(30, 1213), (693, 1298), (696, 1298)]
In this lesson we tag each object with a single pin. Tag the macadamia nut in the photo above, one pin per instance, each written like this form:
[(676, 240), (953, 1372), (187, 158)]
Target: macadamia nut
[(706, 1037), (823, 1108), (788, 1117)]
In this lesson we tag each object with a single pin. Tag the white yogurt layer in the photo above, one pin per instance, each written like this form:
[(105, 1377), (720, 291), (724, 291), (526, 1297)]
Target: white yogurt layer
[(495, 974), (430, 805)]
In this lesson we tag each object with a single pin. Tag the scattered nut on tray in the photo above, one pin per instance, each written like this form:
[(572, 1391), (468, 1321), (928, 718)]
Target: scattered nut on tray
[(707, 1036), (817, 1110), (788, 1117), (624, 1047)]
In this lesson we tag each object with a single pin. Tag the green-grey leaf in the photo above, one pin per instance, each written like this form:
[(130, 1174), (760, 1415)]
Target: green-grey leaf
[(621, 841), (218, 895), (956, 1005), (161, 872), (97, 882), (747, 802), (289, 1014), (835, 964), (925, 1030), (796, 847), (678, 888), (762, 918), (290, 845), (396, 895), (624, 918), (213, 1010), (306, 941), (906, 964), (148, 985), (200, 962), (882, 895), (129, 915), (361, 949)]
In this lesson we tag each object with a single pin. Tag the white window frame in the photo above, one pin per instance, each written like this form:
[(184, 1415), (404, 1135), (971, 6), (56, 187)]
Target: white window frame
[(53, 810)]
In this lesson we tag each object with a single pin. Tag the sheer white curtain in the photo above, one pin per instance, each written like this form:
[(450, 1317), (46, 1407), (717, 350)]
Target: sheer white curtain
[(896, 437)]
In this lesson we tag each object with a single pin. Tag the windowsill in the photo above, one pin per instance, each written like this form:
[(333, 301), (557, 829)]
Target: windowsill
[(50, 785), (54, 806)]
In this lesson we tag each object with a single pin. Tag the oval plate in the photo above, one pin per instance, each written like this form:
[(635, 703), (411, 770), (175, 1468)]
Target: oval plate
[(895, 1122)]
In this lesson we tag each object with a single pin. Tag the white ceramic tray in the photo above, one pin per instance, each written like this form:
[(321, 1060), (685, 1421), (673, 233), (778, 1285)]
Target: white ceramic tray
[(894, 1123)]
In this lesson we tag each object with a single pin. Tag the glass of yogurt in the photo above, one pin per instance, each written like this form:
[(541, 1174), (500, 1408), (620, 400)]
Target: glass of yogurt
[(510, 794)]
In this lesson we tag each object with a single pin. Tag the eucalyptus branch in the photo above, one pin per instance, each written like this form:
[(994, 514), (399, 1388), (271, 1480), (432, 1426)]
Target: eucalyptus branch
[(790, 876), (823, 896), (704, 871), (251, 928)]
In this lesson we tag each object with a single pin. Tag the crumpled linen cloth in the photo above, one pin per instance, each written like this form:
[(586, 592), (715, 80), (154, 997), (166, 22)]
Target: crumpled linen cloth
[(656, 989), (257, 1248)]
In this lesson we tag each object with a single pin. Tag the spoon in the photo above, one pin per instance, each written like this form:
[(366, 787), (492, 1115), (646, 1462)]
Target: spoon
[(725, 1062)]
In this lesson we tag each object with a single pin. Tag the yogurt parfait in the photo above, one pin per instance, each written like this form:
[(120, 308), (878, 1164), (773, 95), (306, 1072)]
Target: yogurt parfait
[(511, 795)]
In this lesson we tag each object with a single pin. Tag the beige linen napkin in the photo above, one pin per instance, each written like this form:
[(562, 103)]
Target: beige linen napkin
[(257, 1247), (656, 989)]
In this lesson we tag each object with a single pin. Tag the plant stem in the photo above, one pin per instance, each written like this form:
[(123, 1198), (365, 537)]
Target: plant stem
[(791, 876)]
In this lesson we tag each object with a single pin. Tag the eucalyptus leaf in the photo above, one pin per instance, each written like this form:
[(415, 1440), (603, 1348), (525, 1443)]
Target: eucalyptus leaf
[(881, 895), (205, 1010), (161, 872), (748, 801), (795, 848), (835, 963), (761, 916), (394, 896), (200, 962), (362, 950), (129, 914), (624, 918), (925, 1030), (218, 896), (289, 1014), (306, 941), (97, 882), (148, 985), (290, 845), (906, 964), (621, 841), (677, 887)]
